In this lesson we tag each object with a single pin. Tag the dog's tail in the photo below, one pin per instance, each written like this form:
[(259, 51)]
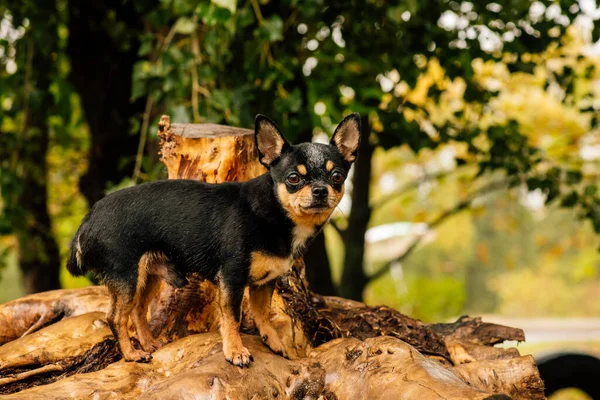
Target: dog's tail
[(75, 260)]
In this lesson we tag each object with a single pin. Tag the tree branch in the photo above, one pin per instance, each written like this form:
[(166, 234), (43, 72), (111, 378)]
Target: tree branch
[(407, 188), (143, 136), (491, 187)]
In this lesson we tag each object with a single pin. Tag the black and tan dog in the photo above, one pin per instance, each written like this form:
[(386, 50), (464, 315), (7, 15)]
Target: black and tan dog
[(235, 234)]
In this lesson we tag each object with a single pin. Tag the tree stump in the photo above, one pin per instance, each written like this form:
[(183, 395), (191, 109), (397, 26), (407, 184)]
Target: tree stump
[(57, 344)]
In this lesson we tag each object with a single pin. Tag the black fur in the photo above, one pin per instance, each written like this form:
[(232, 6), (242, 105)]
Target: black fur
[(209, 229), (200, 227)]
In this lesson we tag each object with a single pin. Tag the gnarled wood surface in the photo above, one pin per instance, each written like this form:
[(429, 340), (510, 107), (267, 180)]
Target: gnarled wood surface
[(57, 344)]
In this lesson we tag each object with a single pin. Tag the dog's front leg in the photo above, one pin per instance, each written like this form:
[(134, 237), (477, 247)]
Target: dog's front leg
[(260, 304), (230, 304)]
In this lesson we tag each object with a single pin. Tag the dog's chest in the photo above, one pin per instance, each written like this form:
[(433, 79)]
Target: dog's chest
[(300, 236), (265, 267)]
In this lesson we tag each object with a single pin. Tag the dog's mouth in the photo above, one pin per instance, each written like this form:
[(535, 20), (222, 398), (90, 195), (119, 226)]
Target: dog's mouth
[(317, 207)]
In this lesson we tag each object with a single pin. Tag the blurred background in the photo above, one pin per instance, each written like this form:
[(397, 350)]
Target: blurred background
[(476, 186)]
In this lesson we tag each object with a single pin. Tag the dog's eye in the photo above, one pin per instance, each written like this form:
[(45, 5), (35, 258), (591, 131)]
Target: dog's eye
[(336, 177), (293, 179)]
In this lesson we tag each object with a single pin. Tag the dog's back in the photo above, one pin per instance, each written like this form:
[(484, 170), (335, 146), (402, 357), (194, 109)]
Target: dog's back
[(171, 217)]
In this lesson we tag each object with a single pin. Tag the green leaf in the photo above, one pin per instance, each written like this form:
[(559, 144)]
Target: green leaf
[(570, 200), (185, 26), (271, 29), (228, 4), (574, 177), (145, 47), (590, 190), (219, 99), (180, 114)]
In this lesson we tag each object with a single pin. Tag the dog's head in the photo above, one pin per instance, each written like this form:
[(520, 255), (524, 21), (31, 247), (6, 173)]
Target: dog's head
[(309, 177)]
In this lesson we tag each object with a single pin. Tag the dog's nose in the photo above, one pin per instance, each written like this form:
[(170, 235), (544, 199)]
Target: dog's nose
[(319, 192)]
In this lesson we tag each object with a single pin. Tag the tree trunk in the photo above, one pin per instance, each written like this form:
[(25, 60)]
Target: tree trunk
[(318, 270), (57, 344), (101, 70), (354, 279), (39, 258)]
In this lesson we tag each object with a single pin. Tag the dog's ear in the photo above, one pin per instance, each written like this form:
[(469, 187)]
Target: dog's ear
[(346, 137), (269, 141)]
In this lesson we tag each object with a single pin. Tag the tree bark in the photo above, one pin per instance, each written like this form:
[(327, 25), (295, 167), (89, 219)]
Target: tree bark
[(367, 352), (101, 71), (39, 258), (354, 279), (57, 344), (318, 269)]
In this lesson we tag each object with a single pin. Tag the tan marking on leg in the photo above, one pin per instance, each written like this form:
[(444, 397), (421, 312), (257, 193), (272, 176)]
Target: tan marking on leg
[(140, 312), (265, 267), (151, 268), (329, 165), (234, 350), (260, 305), (295, 204), (118, 317), (302, 169)]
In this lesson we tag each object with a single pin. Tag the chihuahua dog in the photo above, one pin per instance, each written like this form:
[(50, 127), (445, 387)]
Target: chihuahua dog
[(234, 234)]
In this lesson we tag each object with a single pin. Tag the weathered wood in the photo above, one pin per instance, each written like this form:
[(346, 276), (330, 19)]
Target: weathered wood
[(518, 377), (31, 313), (57, 344), (208, 152), (474, 330)]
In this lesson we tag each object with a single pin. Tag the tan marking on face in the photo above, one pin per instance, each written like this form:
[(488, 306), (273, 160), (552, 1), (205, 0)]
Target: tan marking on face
[(334, 197), (265, 267), (301, 169), (329, 165), (306, 220)]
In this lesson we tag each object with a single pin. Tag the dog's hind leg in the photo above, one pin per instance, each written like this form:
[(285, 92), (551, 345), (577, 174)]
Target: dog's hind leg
[(260, 304), (151, 268), (121, 306), (140, 311)]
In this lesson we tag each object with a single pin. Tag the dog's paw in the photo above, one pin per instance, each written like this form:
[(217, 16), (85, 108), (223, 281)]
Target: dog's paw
[(240, 357), (275, 344), (152, 345), (138, 356)]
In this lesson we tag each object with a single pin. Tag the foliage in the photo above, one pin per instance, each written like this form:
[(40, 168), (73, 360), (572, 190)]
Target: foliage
[(503, 90)]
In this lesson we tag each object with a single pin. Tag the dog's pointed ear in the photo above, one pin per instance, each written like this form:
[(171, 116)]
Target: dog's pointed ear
[(269, 141), (346, 137)]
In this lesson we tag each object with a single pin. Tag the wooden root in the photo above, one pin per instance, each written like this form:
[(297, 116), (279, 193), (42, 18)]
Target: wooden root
[(340, 347), (57, 344)]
